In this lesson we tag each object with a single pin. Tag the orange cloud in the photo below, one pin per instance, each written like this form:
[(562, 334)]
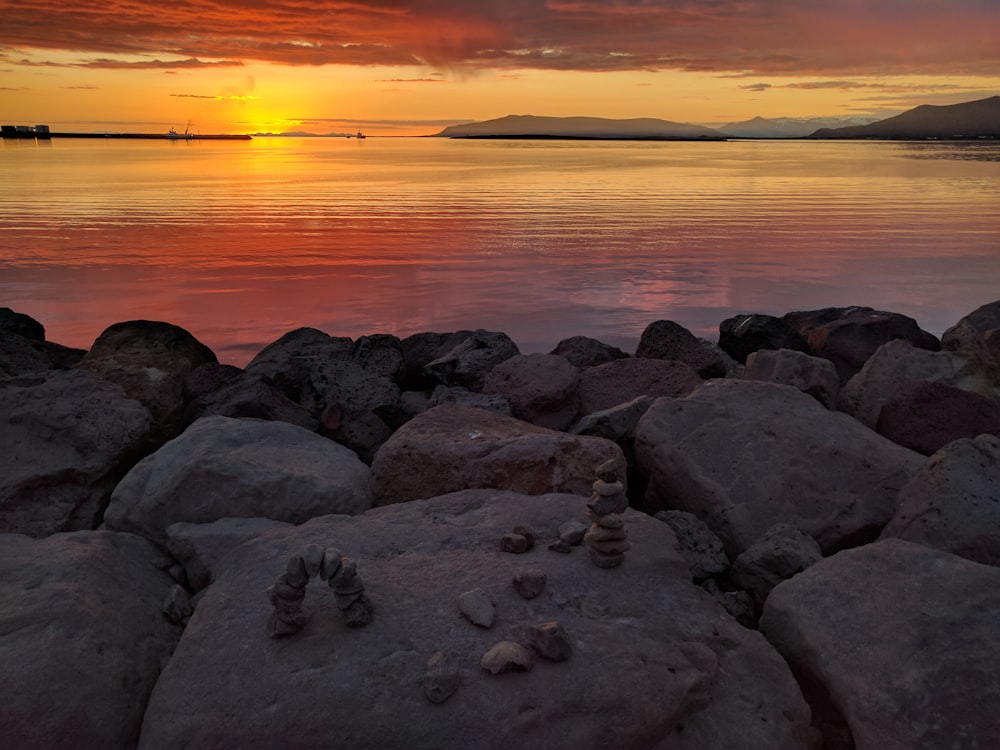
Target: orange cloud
[(759, 37)]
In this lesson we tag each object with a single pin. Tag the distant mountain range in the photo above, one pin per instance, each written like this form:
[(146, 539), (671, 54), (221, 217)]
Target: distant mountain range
[(976, 119), (531, 126)]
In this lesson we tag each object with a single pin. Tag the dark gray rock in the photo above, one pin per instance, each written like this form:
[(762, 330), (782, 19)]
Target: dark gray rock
[(623, 380), (82, 638), (468, 363), (21, 324), (443, 394), (616, 423), (716, 684), (221, 467), (665, 339), (150, 361), (355, 427), (700, 547), (894, 634), (477, 607), (925, 417), (744, 455), (549, 640), (441, 679), (21, 356), (813, 375), (450, 448), (582, 351), (742, 335), (381, 354), (541, 388), (953, 502), (782, 552), (66, 438), (507, 656), (529, 583), (977, 337), (420, 349)]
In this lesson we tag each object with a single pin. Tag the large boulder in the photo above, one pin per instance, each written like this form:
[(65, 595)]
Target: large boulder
[(21, 324), (953, 502), (221, 467), (66, 438), (421, 349), (848, 336), (742, 335), (665, 339), (82, 638), (652, 660), (900, 642), (583, 351), (898, 364), (925, 417), (745, 455), (469, 362), (613, 383), (977, 337), (451, 447), (150, 360), (783, 551), (24, 350), (540, 388), (813, 375)]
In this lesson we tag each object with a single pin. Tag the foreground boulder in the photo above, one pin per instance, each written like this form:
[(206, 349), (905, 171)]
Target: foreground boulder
[(900, 643), (149, 360), (451, 447), (82, 638), (953, 503), (645, 659), (222, 467), (745, 455), (66, 438)]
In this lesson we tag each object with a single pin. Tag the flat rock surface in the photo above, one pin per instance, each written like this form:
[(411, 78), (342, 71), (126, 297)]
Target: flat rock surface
[(745, 455), (903, 638), (655, 662), (82, 638), (222, 467)]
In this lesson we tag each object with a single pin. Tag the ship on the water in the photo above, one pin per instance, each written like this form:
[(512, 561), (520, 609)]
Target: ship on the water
[(42, 132)]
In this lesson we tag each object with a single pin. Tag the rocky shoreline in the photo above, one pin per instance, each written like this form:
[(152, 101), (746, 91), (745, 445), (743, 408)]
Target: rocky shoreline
[(812, 533)]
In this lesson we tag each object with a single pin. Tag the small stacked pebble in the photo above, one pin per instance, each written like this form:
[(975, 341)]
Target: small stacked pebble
[(605, 539), (287, 593)]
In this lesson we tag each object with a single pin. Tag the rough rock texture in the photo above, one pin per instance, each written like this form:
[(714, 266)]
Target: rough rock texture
[(354, 427), (849, 336), (781, 553), (226, 391), (655, 662), (616, 424), (450, 448), (21, 356), (381, 354), (904, 641), (702, 549), (66, 438), (742, 335), (608, 385), (744, 455), (82, 638), (977, 336), (896, 365), (664, 339), (150, 360), (21, 324), (421, 349), (813, 375), (221, 467), (582, 351), (541, 388), (442, 394), (925, 417), (953, 503), (468, 363), (203, 547)]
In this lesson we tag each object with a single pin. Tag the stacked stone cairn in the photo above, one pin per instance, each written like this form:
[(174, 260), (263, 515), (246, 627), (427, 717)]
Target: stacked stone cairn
[(606, 537), (341, 574)]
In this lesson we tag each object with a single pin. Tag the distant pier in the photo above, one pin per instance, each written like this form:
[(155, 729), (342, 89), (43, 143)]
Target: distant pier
[(42, 132)]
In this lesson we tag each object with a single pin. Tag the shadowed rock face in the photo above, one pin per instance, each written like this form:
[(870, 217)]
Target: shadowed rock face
[(901, 638), (653, 661)]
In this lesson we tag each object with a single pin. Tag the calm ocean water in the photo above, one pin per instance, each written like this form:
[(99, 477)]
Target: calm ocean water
[(239, 242)]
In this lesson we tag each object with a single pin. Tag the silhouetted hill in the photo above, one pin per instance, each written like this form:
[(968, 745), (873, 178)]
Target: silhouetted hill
[(788, 127), (976, 119), (531, 126)]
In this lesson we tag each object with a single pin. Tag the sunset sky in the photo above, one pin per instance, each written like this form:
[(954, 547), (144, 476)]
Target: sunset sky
[(398, 67)]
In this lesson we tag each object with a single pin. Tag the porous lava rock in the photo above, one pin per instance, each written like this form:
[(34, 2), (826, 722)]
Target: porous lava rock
[(583, 351), (744, 455), (469, 362), (451, 447), (655, 662), (665, 339), (221, 467), (742, 335)]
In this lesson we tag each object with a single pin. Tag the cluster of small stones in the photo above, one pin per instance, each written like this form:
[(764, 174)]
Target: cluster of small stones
[(518, 541), (341, 574), (606, 537)]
